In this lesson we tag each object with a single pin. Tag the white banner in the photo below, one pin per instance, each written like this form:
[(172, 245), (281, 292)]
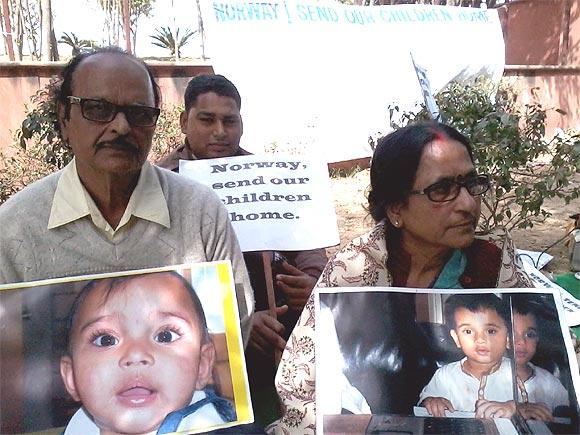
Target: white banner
[(274, 202), (317, 77)]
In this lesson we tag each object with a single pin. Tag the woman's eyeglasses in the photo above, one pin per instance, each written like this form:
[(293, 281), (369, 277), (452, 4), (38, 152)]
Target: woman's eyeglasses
[(104, 111), (448, 190)]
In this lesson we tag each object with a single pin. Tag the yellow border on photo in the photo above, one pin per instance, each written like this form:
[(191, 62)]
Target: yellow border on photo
[(233, 334)]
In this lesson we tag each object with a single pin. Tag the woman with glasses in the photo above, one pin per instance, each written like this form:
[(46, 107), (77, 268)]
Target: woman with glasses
[(425, 197)]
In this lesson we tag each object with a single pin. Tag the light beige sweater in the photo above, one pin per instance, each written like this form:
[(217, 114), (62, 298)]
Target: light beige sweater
[(200, 231)]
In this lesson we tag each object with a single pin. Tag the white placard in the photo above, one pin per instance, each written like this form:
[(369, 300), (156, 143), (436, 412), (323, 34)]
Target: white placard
[(535, 258), (317, 77), (275, 202)]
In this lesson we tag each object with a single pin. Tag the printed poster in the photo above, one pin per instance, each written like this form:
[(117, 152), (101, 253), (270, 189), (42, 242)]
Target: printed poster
[(430, 361), (145, 351)]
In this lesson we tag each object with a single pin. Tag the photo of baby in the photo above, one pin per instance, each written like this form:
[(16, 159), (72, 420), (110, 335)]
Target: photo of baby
[(138, 356), (440, 361)]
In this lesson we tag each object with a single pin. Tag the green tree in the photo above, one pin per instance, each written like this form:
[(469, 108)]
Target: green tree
[(30, 22), (77, 45), (139, 8), (510, 144), (114, 18), (48, 40), (200, 28), (38, 149), (21, 22), (165, 38), (113, 12)]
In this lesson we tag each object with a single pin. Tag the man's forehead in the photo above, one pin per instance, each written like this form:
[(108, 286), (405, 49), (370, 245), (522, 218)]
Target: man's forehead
[(102, 70), (212, 102)]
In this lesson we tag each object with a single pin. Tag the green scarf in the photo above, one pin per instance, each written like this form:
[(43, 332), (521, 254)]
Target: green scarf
[(452, 271)]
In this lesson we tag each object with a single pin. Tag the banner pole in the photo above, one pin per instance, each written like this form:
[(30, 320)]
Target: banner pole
[(270, 294)]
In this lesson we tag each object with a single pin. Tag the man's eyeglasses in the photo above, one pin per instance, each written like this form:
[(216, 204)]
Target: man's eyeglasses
[(104, 111), (448, 190)]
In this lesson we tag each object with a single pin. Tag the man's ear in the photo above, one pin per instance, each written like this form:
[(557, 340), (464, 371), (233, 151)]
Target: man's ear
[(68, 377), (205, 369), (62, 121), (455, 338), (183, 121)]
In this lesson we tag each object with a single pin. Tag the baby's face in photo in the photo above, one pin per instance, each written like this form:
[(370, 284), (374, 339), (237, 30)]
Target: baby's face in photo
[(482, 335), (136, 354), (525, 338)]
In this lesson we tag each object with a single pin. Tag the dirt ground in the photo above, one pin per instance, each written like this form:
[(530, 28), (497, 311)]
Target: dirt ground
[(353, 220)]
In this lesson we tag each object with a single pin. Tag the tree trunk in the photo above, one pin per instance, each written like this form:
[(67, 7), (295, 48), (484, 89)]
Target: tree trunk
[(127, 25), (115, 23), (30, 30), (53, 45), (46, 30), (134, 37), (18, 30), (200, 29), (7, 30)]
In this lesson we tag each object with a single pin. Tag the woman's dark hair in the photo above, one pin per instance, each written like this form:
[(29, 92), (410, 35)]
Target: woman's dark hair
[(395, 161)]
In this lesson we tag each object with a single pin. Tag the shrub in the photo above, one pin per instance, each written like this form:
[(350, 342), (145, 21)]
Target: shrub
[(509, 143), (38, 149), (167, 133)]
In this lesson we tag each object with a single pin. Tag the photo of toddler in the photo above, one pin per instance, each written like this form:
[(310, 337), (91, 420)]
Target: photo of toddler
[(540, 392), (482, 381)]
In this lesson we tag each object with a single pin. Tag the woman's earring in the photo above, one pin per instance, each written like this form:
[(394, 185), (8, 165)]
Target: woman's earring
[(397, 224)]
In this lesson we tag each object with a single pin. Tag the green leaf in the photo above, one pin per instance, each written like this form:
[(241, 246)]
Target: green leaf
[(508, 141)]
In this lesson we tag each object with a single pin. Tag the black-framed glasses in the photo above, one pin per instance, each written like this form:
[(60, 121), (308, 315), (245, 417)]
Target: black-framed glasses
[(105, 111), (448, 190)]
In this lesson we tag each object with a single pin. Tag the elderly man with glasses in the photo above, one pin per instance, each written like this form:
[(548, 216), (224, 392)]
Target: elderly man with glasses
[(110, 210)]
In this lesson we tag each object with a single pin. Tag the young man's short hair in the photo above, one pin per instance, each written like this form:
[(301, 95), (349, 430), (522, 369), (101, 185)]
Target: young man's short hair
[(205, 83), (474, 303)]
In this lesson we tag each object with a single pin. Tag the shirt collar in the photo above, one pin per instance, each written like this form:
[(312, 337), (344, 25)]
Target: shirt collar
[(68, 203), (72, 201), (148, 201)]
